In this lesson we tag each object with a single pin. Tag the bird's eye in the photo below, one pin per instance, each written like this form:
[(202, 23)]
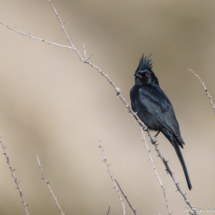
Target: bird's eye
[(147, 74)]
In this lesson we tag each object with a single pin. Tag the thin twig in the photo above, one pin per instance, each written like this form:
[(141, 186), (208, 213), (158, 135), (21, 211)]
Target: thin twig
[(112, 178), (49, 187), (15, 179), (209, 96), (156, 173), (126, 198), (117, 90), (108, 210), (63, 28), (35, 38)]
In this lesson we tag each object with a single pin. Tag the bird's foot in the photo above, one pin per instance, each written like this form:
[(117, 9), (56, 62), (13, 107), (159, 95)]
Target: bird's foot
[(157, 134)]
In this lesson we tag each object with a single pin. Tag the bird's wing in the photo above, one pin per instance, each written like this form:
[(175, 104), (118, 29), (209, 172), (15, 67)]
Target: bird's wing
[(158, 105)]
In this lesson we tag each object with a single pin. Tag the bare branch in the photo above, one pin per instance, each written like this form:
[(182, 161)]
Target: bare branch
[(112, 178), (108, 210), (15, 179), (117, 90), (125, 197), (63, 28), (156, 173), (35, 38), (209, 96), (49, 187)]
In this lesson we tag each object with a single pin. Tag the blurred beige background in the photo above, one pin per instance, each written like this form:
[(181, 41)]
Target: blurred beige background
[(56, 107)]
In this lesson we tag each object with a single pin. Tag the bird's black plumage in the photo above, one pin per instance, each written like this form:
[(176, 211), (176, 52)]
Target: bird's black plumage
[(154, 108)]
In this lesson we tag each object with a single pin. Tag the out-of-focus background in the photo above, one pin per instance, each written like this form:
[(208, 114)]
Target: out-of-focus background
[(54, 106)]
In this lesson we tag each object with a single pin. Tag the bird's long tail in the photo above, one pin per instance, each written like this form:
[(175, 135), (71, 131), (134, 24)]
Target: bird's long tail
[(180, 156)]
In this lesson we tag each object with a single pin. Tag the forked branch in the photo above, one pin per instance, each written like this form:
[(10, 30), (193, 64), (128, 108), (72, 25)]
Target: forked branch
[(117, 90)]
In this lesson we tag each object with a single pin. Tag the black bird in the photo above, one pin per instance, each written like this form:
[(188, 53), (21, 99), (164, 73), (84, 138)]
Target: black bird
[(154, 108)]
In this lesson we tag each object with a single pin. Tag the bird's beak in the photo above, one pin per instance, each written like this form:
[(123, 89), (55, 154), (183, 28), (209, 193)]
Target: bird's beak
[(138, 75)]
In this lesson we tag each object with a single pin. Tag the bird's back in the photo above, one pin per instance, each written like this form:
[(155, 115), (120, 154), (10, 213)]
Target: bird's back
[(154, 108)]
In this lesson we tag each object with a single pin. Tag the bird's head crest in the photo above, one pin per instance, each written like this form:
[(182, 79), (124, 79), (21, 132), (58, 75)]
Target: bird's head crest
[(145, 63)]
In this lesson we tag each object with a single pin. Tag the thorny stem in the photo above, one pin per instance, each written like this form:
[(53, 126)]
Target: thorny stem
[(172, 175), (117, 90), (112, 178), (49, 187), (134, 211), (15, 179), (209, 96), (153, 164)]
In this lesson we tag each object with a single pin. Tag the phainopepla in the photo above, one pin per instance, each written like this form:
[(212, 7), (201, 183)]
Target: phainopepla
[(154, 108)]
